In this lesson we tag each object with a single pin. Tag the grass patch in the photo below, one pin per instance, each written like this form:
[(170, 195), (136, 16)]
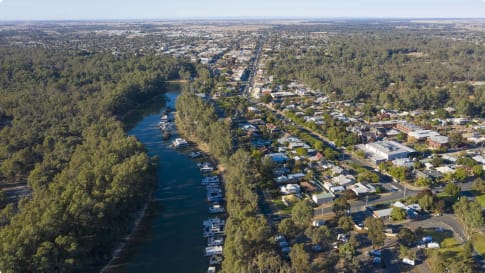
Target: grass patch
[(478, 240), (481, 199), (282, 208), (439, 236)]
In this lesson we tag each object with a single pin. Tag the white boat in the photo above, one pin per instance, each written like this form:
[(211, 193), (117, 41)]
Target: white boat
[(213, 250), (195, 154), (180, 143), (210, 180), (213, 221), (211, 269), (215, 241), (216, 208), (206, 167)]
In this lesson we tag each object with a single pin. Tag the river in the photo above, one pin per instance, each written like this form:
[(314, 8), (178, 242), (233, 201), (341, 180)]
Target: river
[(170, 240)]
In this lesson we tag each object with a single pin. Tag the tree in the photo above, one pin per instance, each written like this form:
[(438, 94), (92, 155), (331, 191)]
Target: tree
[(302, 213), (470, 212), (419, 232), (287, 228), (300, 259), (452, 190), (340, 206), (398, 214), (426, 202), (346, 223), (318, 235), (407, 236), (268, 262), (460, 174), (477, 170), (455, 139), (437, 262), (266, 99), (478, 185), (375, 231), (423, 181)]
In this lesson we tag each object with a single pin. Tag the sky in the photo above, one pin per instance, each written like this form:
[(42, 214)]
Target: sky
[(186, 9)]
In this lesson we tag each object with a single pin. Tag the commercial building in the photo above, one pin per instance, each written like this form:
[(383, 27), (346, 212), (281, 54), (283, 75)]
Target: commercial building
[(386, 150)]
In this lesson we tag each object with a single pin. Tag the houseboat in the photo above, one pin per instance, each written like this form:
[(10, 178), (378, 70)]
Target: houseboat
[(196, 154), (180, 143), (206, 167), (215, 241), (210, 180), (213, 250), (216, 208)]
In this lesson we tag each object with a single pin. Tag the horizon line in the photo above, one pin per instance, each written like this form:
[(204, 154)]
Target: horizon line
[(221, 18)]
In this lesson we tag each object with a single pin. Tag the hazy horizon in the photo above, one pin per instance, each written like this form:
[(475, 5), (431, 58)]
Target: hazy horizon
[(88, 10)]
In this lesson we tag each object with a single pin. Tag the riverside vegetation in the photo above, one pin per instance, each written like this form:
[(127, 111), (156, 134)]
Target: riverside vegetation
[(62, 133)]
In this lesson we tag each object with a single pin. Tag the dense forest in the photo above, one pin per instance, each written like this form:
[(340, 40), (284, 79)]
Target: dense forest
[(62, 133), (405, 69)]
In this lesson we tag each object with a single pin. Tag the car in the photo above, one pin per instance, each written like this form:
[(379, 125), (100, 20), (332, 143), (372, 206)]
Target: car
[(316, 248), (318, 223), (375, 253)]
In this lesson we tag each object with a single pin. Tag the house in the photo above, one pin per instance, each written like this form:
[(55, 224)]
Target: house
[(382, 213), (407, 127), (296, 177), (438, 142), (420, 135), (322, 198), (337, 189), (278, 158), (290, 189), (281, 179), (445, 169), (273, 129), (360, 189), (344, 180), (403, 162), (336, 170)]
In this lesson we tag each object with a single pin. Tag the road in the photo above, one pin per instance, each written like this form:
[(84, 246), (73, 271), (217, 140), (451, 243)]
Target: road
[(16, 191)]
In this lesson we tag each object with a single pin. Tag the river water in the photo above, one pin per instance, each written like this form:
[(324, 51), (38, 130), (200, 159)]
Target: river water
[(170, 240)]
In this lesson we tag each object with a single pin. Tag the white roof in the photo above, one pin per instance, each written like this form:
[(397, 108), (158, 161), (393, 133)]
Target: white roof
[(420, 134)]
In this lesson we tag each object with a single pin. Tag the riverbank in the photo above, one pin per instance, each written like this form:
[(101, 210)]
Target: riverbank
[(118, 251)]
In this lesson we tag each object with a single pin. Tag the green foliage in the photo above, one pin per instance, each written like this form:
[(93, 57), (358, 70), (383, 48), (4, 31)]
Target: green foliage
[(287, 228), (300, 259), (470, 212), (460, 174), (423, 181), (407, 236), (452, 190), (197, 118), (302, 213), (378, 69), (398, 214), (340, 206), (346, 223), (375, 230), (88, 178), (478, 185)]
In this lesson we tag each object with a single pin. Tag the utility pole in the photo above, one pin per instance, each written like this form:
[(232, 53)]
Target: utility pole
[(404, 192)]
